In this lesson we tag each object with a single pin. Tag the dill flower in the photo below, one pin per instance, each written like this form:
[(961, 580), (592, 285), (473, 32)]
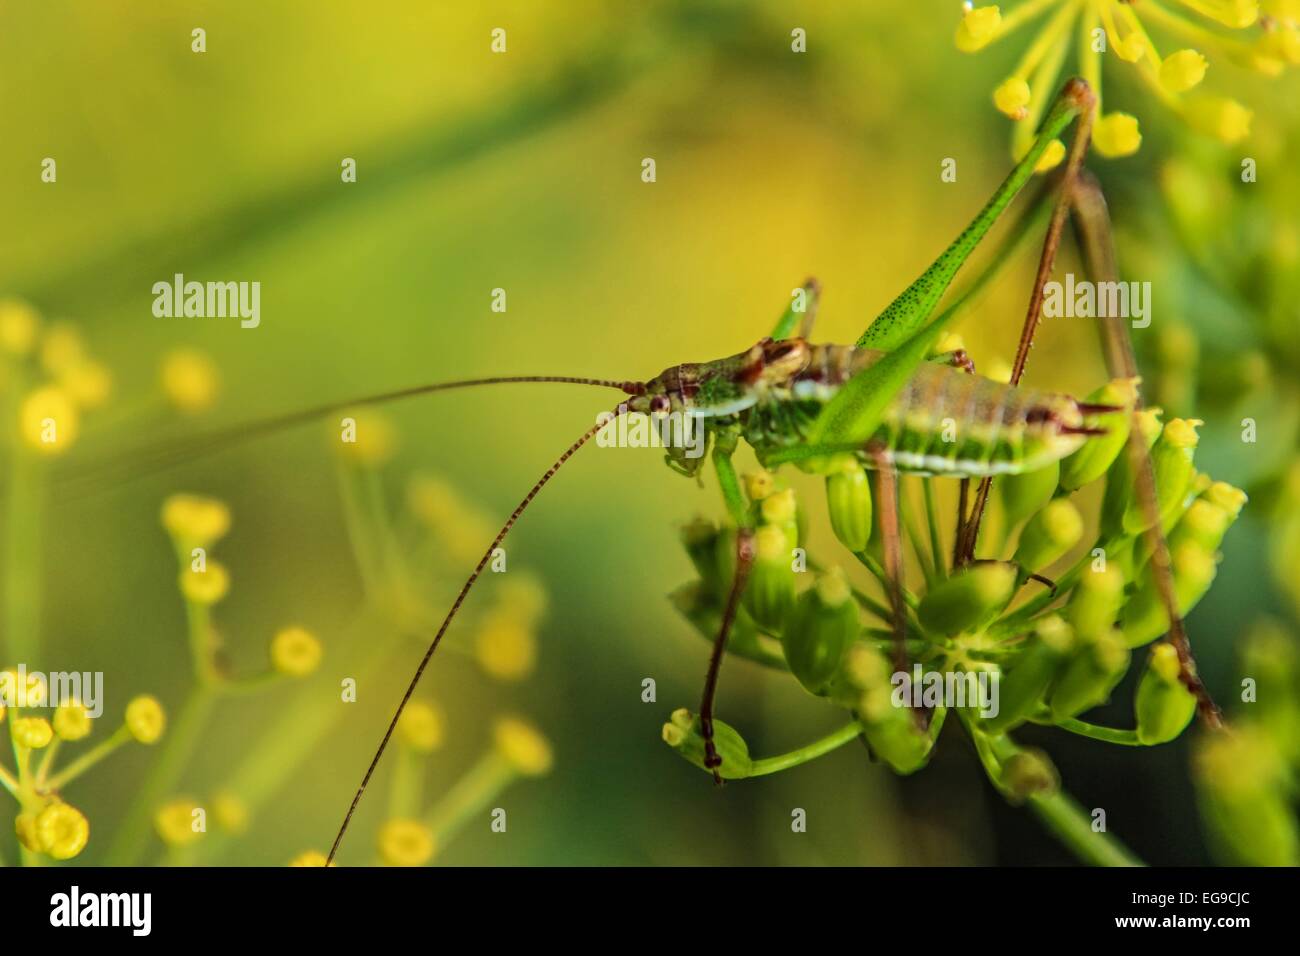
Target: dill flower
[(310, 858), (61, 830), (1209, 26), (205, 587), (32, 732), (190, 380), (505, 647), (460, 529), (25, 830), (373, 440), (174, 822), (230, 812), (145, 719), (72, 721), (61, 348), (523, 746), (406, 843), (194, 521), (48, 420), (19, 325), (33, 695), (421, 727), (295, 652), (88, 382)]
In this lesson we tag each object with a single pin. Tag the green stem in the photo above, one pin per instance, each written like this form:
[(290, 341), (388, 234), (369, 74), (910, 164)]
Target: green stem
[(818, 748), (1111, 735), (1072, 825), (133, 833), (8, 782), (470, 794), (22, 559), (86, 760), (932, 519)]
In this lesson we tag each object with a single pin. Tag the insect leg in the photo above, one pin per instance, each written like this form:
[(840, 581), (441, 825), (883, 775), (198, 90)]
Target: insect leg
[(1092, 227), (1046, 262), (918, 301), (812, 291), (730, 484), (891, 547)]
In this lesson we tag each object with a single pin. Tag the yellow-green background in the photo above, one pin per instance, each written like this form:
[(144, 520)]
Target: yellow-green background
[(520, 171)]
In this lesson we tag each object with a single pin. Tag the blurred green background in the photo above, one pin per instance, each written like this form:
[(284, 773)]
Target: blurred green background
[(519, 171)]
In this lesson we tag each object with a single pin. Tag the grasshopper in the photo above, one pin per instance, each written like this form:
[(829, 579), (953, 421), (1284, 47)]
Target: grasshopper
[(881, 399)]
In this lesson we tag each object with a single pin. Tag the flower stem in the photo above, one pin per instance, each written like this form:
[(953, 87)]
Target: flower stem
[(87, 760), (1072, 825), (1111, 735), (470, 794), (811, 751)]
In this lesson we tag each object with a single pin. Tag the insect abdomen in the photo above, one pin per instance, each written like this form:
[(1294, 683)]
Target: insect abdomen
[(943, 421)]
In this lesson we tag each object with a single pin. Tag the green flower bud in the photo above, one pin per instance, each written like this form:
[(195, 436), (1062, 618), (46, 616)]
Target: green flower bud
[(1048, 535), (770, 592), (704, 611), (1210, 516), (700, 538), (1171, 460), (682, 733), (1145, 617), (1023, 686), (848, 497), (1028, 772), (1120, 483), (1242, 789), (1095, 601), (781, 508), (1164, 706), (1024, 494), (1090, 675), (892, 731), (1095, 456), (968, 600), (821, 627)]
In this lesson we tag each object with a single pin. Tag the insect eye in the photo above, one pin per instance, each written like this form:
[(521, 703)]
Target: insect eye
[(659, 404)]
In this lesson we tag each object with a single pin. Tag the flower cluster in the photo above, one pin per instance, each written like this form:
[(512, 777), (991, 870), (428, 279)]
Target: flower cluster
[(1051, 649), (47, 825), (1099, 27)]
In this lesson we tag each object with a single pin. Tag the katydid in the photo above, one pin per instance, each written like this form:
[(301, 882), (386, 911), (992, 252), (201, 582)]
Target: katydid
[(881, 400)]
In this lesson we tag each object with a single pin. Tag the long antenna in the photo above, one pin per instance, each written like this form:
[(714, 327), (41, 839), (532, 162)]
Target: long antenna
[(167, 454), (446, 622)]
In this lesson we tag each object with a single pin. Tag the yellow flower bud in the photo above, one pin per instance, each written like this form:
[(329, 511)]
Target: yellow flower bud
[(523, 746), (1116, 135), (1050, 159), (758, 485), (19, 324), (190, 380), (48, 420), (1224, 119), (194, 521), (145, 719), (421, 727), (522, 596), (71, 721), (295, 652), (406, 843), (230, 812), (205, 587), (978, 28), (310, 858), (1237, 14), (33, 695), (61, 348), (1182, 70), (371, 440), (62, 830), (89, 383), (32, 732), (1012, 97), (25, 830), (505, 647), (175, 822)]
